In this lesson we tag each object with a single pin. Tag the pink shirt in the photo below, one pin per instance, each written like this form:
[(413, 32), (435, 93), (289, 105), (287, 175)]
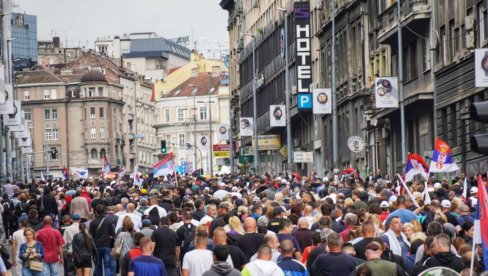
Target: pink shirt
[(51, 239)]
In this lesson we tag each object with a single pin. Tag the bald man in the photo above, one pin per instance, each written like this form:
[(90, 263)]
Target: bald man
[(250, 241), (136, 220), (53, 243)]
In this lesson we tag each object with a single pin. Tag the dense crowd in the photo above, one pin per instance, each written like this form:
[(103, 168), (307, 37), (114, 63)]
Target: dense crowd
[(240, 225)]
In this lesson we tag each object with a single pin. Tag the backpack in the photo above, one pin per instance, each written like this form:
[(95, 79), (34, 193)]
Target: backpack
[(8, 211), (186, 234)]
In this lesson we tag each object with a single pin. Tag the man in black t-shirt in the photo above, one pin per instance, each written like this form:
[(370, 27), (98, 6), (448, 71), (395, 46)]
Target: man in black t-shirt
[(167, 247), (103, 233), (250, 241), (238, 257)]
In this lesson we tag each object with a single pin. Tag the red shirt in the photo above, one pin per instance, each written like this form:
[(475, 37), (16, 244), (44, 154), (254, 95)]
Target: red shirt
[(51, 239), (345, 232)]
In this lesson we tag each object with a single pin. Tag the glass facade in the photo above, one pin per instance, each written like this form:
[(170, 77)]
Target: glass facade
[(24, 43)]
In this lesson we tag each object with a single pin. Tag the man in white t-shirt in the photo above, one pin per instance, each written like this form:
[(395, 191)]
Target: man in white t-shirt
[(199, 260), (136, 220), (18, 238), (210, 215)]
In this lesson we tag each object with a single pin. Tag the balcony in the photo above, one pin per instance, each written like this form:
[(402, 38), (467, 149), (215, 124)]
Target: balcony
[(415, 15)]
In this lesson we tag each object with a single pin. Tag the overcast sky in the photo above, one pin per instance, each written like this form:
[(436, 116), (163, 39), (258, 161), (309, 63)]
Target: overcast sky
[(82, 21)]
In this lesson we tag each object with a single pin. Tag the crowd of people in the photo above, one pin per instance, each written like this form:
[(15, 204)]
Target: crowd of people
[(240, 225)]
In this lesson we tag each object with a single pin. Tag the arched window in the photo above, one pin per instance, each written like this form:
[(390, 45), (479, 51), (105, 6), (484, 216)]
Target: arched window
[(102, 153), (93, 154)]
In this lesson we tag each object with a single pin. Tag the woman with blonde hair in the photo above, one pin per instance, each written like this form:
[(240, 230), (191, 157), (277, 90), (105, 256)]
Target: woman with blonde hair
[(235, 226), (31, 251), (408, 230)]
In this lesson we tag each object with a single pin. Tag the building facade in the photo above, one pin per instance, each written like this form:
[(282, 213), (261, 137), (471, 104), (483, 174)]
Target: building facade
[(24, 40), (88, 109)]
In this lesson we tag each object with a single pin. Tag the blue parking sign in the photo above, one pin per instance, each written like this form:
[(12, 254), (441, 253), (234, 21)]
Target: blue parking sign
[(304, 101)]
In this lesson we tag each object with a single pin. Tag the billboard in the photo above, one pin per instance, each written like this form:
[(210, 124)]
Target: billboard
[(277, 115), (322, 101), (386, 92), (303, 46), (246, 126)]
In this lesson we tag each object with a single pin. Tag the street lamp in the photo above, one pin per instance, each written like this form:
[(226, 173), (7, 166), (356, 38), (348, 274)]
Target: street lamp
[(287, 94), (194, 93), (254, 105), (210, 158)]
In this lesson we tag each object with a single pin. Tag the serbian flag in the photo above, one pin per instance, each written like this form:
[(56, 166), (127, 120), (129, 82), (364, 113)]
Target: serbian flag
[(441, 158), (481, 220), (164, 167), (65, 173), (416, 165), (106, 165), (121, 171)]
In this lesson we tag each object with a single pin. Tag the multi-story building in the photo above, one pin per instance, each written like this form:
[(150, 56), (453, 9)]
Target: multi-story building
[(87, 109), (24, 40), (52, 53), (144, 53), (184, 115)]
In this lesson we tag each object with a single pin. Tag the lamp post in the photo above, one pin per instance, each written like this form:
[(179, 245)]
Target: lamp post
[(254, 105), (287, 95), (400, 82), (210, 90), (194, 93)]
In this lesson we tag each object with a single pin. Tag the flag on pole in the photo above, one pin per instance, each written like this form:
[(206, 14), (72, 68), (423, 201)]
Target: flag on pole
[(481, 221), (65, 173), (426, 196), (465, 189), (106, 165), (42, 177), (164, 167), (406, 189), (442, 158), (416, 165)]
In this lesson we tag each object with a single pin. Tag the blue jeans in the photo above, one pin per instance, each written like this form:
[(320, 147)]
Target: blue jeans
[(104, 262), (50, 269), (27, 272)]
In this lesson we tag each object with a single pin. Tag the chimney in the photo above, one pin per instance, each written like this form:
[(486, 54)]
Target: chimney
[(56, 41)]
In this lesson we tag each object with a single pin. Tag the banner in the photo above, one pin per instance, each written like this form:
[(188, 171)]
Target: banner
[(481, 67), (14, 118), (277, 115), (246, 126), (79, 173), (386, 92), (223, 132), (322, 103)]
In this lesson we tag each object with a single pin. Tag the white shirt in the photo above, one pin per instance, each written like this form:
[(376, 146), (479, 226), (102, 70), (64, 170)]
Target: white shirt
[(19, 239), (197, 261), (161, 210), (206, 219), (220, 194), (135, 219), (69, 233)]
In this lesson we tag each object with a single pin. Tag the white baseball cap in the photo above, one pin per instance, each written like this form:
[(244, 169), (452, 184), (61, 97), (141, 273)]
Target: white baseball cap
[(392, 199), (446, 204), (437, 185), (384, 204), (474, 190)]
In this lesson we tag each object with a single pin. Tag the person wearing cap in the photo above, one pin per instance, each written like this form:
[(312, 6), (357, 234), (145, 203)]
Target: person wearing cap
[(68, 235), (334, 262), (18, 238), (446, 209), (375, 265), (385, 210), (146, 228), (472, 201), (440, 192)]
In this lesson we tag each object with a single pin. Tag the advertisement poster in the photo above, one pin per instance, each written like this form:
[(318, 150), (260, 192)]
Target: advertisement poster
[(386, 92), (277, 116)]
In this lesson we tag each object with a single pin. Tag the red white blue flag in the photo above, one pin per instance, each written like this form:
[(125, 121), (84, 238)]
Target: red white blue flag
[(65, 173), (416, 165), (442, 158), (164, 167), (481, 220)]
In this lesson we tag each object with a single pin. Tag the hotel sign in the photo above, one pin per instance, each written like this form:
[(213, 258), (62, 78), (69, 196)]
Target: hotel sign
[(303, 58)]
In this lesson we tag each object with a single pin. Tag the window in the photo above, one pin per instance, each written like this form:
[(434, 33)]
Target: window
[(47, 114), (102, 133), (181, 114), (26, 95), (47, 95), (91, 92), (93, 154), (53, 94), (92, 113), (55, 133), (54, 157), (101, 113), (443, 50), (181, 139), (166, 115), (203, 113), (27, 115), (54, 114), (426, 53), (100, 91), (48, 134), (452, 40), (102, 153), (93, 133)]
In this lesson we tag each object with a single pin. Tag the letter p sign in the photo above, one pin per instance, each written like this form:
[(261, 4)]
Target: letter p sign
[(304, 101)]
